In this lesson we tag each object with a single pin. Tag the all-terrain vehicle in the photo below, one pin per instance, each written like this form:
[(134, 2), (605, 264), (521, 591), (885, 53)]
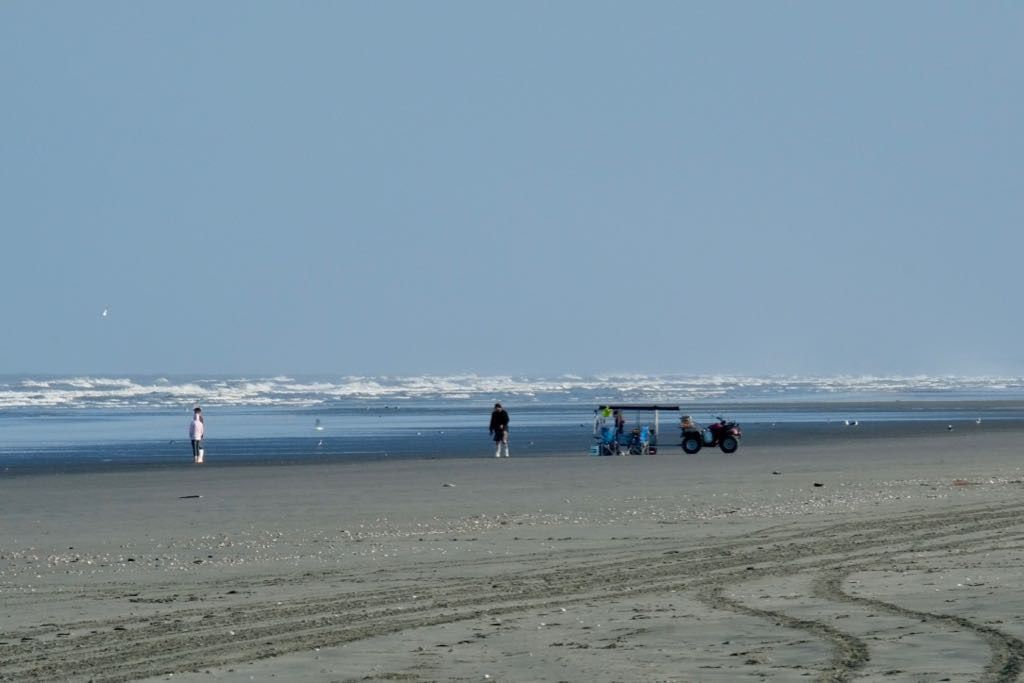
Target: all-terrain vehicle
[(725, 434)]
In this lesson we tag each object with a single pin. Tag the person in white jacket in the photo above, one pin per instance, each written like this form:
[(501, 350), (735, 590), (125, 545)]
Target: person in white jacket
[(196, 429)]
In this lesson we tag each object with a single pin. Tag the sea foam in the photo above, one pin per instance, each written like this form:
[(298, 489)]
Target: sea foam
[(284, 391)]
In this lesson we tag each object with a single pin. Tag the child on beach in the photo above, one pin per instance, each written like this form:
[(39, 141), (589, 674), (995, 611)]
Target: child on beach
[(196, 429)]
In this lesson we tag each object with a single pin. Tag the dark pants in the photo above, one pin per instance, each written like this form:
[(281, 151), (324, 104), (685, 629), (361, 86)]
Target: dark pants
[(196, 445)]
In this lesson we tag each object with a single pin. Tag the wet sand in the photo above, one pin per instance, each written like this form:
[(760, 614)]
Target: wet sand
[(896, 558)]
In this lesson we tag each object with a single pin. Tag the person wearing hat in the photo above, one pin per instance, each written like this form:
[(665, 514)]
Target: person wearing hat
[(499, 429)]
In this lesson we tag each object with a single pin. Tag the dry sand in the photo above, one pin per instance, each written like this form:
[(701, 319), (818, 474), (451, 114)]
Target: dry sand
[(904, 564)]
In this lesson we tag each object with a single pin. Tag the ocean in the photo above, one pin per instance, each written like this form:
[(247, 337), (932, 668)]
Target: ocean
[(58, 424)]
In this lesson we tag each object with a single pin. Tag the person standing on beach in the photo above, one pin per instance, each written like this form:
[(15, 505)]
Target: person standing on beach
[(499, 429), (196, 429), (620, 423)]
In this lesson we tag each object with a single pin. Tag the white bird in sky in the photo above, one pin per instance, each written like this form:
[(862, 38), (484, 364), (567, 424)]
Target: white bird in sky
[(105, 312)]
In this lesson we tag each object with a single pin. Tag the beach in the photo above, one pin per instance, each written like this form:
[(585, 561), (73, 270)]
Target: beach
[(895, 557)]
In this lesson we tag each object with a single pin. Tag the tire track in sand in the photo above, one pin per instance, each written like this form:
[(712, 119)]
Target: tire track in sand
[(1007, 661), (851, 653), (190, 638)]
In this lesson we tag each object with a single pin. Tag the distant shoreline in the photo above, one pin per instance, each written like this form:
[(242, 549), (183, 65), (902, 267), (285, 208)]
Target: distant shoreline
[(299, 453)]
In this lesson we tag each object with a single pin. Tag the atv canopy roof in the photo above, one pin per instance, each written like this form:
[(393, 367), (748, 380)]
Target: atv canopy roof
[(636, 406)]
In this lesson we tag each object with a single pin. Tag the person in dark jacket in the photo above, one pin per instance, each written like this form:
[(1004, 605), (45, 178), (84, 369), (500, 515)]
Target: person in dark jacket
[(499, 429)]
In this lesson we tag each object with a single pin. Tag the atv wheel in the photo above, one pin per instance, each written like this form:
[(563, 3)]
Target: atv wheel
[(729, 444), (691, 444)]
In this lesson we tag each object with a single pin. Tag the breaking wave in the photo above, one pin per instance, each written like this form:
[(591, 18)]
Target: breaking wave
[(163, 392)]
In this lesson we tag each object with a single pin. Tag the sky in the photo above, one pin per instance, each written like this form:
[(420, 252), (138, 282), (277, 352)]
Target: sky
[(511, 188)]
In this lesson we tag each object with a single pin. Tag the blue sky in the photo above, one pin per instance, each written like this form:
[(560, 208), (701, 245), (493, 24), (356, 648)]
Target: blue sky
[(511, 188)]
